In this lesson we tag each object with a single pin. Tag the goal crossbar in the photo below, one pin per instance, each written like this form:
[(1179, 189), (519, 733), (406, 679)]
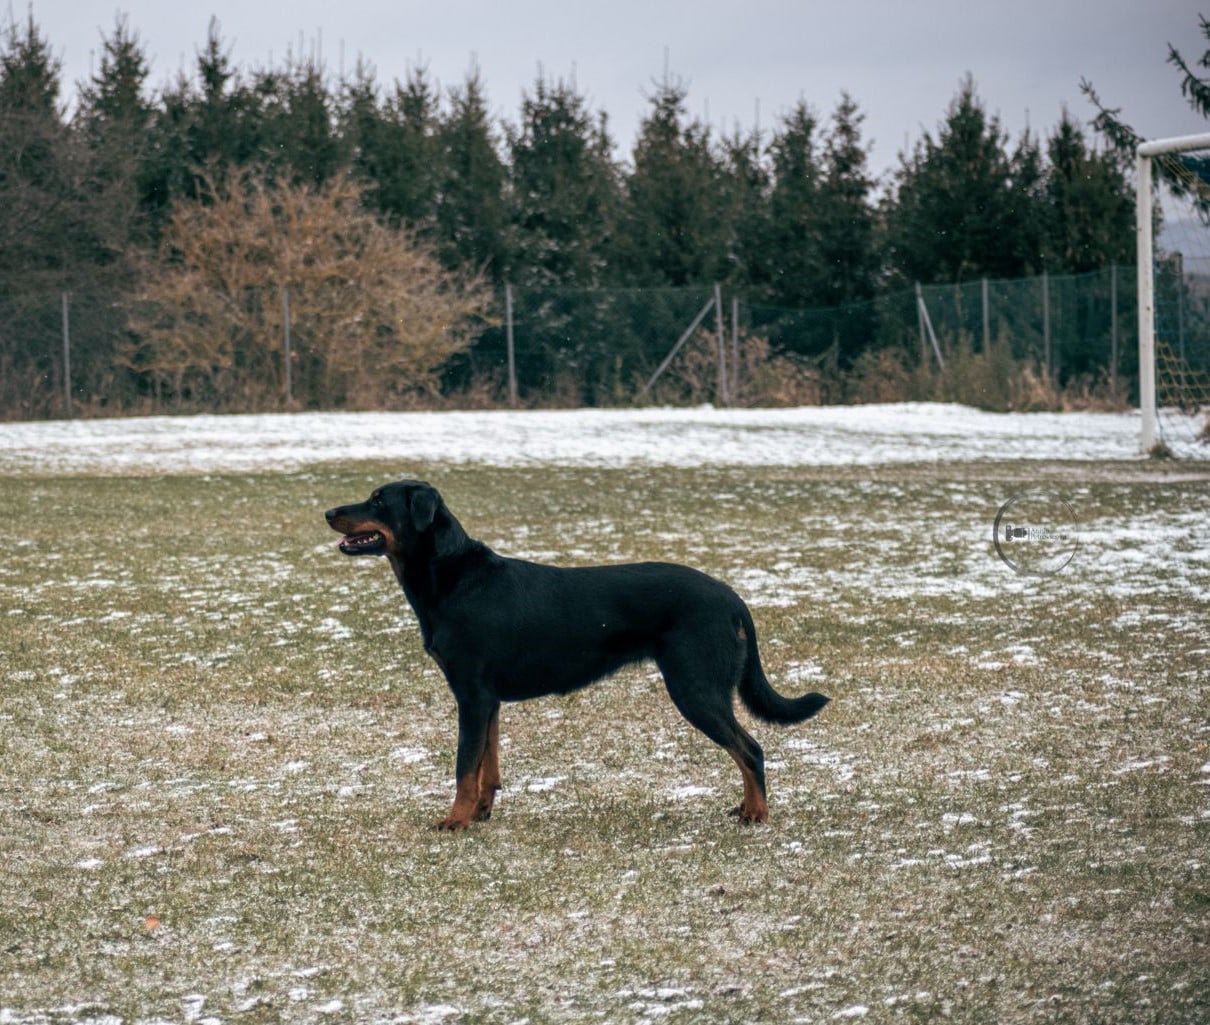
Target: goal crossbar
[(1145, 256)]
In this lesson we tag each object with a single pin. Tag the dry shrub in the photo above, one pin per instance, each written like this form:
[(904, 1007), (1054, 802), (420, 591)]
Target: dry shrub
[(373, 315), (769, 378), (1096, 393), (879, 375), (985, 380), (765, 377), (1031, 389)]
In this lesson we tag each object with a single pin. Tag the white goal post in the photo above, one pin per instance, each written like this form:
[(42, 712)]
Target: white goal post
[(1145, 255)]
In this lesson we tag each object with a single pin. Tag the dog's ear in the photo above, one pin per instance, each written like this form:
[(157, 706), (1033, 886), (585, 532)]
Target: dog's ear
[(423, 508)]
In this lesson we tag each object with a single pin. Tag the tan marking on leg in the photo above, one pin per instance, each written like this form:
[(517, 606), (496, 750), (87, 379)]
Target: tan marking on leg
[(466, 801), (489, 770), (753, 808)]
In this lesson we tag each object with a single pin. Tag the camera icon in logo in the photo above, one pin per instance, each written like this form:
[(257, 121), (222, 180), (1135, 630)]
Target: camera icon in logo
[(1034, 534)]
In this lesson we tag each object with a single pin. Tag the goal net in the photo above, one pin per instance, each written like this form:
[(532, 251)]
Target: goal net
[(1174, 295)]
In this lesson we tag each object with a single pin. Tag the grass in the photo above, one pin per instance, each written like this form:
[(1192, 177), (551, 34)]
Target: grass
[(221, 748)]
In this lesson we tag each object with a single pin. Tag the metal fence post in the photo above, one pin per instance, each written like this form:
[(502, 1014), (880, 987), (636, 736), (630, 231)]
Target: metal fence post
[(289, 375), (67, 354), (723, 390), (987, 319), (734, 348), (1046, 322), (926, 325), (513, 398), (1113, 327)]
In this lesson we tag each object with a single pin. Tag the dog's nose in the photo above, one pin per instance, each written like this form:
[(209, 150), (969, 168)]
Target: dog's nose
[(330, 515)]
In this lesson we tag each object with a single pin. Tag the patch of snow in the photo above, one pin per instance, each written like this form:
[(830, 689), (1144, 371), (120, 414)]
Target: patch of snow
[(408, 755), (685, 793), (809, 436), (432, 1014), (541, 785)]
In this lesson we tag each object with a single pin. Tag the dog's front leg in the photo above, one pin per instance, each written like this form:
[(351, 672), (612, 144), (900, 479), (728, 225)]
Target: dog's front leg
[(489, 768), (476, 718)]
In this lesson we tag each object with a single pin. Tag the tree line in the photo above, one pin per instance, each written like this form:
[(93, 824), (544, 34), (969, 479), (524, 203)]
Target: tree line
[(133, 200)]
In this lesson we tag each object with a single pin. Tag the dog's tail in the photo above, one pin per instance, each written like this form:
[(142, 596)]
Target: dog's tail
[(758, 694)]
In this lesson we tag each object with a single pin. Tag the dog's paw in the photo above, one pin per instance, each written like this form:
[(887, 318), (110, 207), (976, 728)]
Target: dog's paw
[(749, 817)]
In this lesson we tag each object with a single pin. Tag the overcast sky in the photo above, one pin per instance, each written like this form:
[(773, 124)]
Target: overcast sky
[(901, 60)]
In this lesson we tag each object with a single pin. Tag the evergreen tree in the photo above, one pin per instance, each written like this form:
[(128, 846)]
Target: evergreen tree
[(792, 269), (1180, 172), (821, 249), (563, 190), (394, 148), (954, 213), (470, 212), (113, 101), (226, 124), (845, 221), (745, 194), (46, 222), (1089, 202), (297, 136), (199, 133), (113, 118), (1027, 170), (41, 218), (672, 229)]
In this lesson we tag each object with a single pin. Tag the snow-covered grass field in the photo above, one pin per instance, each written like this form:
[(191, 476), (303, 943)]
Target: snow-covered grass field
[(221, 744), (814, 436)]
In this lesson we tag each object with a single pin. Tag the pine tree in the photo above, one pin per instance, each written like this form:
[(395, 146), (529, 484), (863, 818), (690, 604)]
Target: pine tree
[(845, 221), (394, 148), (1185, 175), (563, 194), (45, 221), (954, 213), (41, 169), (200, 132), (793, 262), (225, 130), (1089, 202), (113, 118), (745, 192), (297, 136), (1028, 251), (470, 213), (673, 232)]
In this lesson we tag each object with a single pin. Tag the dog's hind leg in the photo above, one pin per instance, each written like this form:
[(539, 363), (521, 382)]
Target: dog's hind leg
[(751, 761), (701, 688)]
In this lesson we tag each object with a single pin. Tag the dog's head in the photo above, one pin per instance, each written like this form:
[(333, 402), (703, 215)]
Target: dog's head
[(392, 521)]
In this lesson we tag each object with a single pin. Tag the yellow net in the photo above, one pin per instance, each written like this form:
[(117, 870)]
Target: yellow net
[(1183, 402)]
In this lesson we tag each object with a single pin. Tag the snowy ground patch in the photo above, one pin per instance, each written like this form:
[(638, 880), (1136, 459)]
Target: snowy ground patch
[(811, 436)]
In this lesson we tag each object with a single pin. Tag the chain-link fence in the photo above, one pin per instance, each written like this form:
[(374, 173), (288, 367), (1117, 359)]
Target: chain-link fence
[(64, 353)]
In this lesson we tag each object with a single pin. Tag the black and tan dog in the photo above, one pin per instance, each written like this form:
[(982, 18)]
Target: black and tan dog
[(505, 630)]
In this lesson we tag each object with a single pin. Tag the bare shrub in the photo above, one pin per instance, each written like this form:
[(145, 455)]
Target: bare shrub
[(373, 315)]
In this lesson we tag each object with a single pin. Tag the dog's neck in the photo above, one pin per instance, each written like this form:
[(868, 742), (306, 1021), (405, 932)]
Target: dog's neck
[(434, 566)]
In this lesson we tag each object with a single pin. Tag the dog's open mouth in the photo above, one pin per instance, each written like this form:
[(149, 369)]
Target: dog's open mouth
[(372, 543)]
